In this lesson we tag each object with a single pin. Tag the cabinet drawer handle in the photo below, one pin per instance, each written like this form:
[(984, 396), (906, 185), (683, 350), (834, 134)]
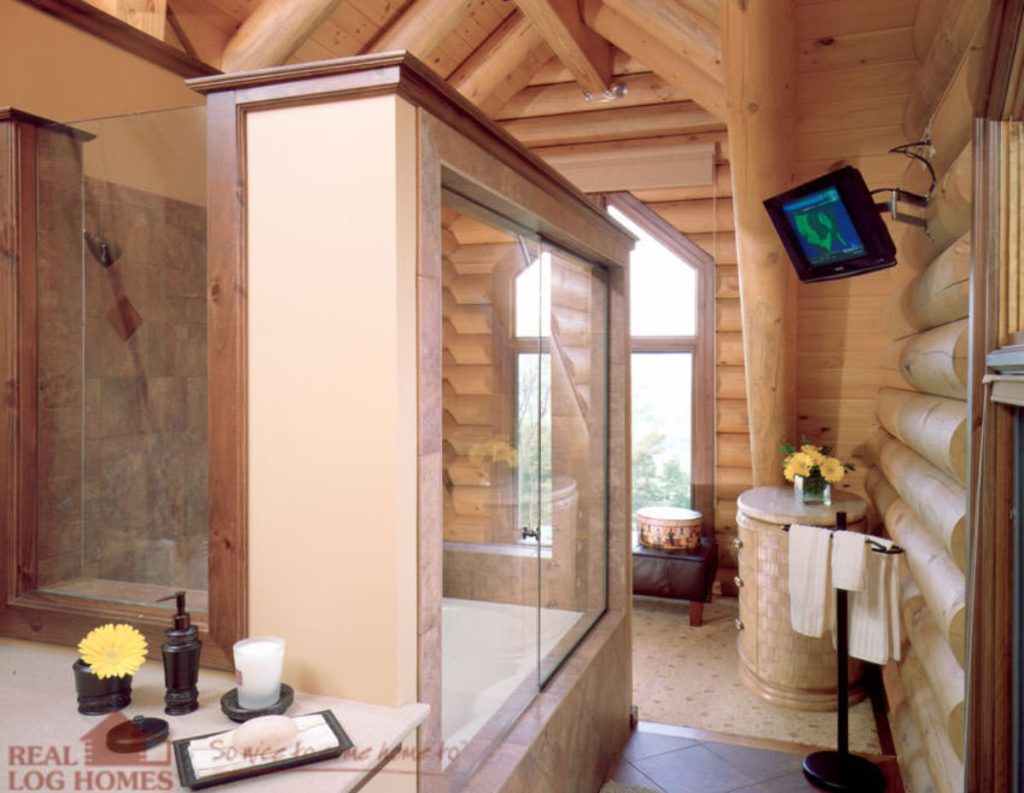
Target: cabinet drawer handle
[(737, 543), (737, 580), (739, 624)]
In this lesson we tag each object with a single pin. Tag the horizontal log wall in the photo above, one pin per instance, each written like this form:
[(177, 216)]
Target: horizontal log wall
[(920, 454)]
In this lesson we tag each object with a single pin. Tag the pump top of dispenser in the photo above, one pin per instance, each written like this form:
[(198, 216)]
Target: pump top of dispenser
[(182, 619)]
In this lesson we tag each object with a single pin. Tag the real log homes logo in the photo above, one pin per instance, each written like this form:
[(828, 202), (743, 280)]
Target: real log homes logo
[(89, 765)]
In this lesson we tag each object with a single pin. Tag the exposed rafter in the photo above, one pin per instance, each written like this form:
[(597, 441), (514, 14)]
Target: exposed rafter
[(202, 27), (585, 54), (702, 88), (273, 31), (149, 16), (502, 65), (690, 35), (422, 26)]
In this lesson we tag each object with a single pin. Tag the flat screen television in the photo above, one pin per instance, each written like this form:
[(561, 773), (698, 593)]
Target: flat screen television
[(831, 227)]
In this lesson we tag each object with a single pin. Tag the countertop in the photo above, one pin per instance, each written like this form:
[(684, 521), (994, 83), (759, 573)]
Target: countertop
[(45, 742), (780, 505)]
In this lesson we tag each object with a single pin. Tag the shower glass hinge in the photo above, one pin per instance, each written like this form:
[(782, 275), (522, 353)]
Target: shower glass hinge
[(528, 533)]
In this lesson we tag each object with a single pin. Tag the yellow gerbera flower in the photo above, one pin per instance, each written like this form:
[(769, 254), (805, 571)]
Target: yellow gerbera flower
[(833, 470), (814, 452), (113, 650), (797, 464)]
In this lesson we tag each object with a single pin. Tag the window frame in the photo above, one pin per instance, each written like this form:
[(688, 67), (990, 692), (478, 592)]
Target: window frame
[(700, 345)]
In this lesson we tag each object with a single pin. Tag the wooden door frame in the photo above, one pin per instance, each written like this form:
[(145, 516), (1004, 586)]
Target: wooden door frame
[(989, 718)]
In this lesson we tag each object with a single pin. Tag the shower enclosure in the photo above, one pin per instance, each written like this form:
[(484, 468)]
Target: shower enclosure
[(524, 399), (121, 321)]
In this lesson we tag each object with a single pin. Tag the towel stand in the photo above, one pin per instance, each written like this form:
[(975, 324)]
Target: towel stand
[(839, 770)]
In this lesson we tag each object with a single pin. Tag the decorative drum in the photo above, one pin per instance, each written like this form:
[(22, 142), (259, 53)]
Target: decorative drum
[(669, 528)]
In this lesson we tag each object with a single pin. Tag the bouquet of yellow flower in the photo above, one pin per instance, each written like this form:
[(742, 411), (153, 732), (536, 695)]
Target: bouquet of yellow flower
[(814, 464)]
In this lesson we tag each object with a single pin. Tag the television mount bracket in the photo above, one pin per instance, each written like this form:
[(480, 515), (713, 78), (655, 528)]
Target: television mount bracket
[(898, 195)]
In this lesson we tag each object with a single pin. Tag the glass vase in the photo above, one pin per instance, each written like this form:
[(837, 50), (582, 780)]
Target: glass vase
[(812, 490)]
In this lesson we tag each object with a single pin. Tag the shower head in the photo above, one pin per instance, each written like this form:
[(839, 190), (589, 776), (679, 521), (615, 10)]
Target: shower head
[(105, 253)]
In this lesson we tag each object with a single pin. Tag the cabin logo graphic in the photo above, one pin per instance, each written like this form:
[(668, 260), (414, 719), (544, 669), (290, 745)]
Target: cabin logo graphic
[(97, 753)]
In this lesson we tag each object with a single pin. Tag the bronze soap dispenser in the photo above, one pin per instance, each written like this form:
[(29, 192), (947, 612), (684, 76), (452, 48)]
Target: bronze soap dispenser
[(181, 661)]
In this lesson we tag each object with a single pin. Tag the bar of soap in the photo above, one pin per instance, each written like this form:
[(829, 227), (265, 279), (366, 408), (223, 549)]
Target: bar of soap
[(264, 734)]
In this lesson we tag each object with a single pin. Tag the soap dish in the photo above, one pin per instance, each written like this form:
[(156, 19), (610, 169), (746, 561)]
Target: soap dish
[(235, 712)]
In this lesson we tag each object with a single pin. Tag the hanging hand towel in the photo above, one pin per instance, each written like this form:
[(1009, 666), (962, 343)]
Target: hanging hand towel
[(809, 587), (848, 550), (875, 611)]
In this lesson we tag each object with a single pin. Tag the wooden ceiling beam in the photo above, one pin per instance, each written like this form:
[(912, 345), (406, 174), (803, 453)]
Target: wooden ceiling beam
[(272, 32), (585, 54), (549, 100), (422, 26), (675, 25), (555, 71), (204, 28), (149, 16), (626, 123), (664, 60), (501, 66)]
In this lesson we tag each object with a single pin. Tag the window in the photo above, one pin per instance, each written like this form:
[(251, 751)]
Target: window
[(672, 387)]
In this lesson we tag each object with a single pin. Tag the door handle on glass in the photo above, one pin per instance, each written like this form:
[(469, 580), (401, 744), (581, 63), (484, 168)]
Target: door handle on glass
[(528, 533)]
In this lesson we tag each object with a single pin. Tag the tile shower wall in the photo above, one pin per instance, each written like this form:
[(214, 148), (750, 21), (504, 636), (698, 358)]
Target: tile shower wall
[(59, 305), (122, 430)]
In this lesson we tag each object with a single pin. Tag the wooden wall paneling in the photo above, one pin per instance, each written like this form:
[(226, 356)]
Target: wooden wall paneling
[(855, 49), (879, 80), (854, 142), (926, 25), (721, 246), (838, 18), (698, 216), (938, 501), (935, 361), (272, 31), (422, 26), (721, 188), (847, 113)]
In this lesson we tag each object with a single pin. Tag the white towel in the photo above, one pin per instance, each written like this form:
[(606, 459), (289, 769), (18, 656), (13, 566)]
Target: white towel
[(875, 611), (848, 550), (809, 585)]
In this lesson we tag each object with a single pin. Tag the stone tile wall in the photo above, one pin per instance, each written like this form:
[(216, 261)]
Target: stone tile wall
[(123, 453)]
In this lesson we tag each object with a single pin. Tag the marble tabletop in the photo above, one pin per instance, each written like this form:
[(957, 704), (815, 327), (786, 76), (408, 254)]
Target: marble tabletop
[(45, 744), (780, 505)]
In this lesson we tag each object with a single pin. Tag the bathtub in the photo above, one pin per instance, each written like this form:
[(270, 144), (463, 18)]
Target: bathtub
[(487, 650)]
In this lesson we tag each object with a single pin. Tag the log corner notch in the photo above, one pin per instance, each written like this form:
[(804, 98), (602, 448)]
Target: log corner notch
[(760, 68), (586, 55)]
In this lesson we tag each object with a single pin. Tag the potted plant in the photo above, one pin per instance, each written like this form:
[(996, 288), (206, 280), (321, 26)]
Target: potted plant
[(108, 657), (813, 470)]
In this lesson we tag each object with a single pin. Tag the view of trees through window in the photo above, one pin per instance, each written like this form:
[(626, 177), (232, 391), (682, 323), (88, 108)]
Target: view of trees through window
[(663, 320)]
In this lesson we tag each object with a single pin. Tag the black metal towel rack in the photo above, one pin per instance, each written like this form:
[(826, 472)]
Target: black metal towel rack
[(839, 770)]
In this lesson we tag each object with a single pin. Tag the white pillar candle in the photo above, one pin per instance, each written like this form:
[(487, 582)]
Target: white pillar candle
[(258, 663)]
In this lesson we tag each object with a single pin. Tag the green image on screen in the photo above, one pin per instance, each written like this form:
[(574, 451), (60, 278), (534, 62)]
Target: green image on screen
[(824, 227)]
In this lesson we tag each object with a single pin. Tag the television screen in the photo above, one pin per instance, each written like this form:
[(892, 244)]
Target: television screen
[(831, 227)]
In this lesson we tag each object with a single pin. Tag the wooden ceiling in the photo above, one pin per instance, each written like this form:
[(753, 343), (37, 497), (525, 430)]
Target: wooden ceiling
[(527, 63)]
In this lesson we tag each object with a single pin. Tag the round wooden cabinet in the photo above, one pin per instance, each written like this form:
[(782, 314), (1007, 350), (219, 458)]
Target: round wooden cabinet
[(776, 663)]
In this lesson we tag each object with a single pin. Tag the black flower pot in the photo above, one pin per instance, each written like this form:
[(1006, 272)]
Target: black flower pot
[(96, 696)]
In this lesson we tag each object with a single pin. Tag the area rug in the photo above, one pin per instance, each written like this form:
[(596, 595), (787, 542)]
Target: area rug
[(689, 677)]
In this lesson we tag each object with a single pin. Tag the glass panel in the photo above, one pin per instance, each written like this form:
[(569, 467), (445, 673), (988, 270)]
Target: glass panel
[(122, 358), (573, 577), (663, 287), (662, 429), (492, 428)]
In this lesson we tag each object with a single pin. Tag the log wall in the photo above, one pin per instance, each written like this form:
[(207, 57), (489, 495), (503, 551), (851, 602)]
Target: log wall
[(919, 395)]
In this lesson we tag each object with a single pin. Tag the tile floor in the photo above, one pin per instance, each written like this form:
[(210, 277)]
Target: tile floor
[(677, 760)]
